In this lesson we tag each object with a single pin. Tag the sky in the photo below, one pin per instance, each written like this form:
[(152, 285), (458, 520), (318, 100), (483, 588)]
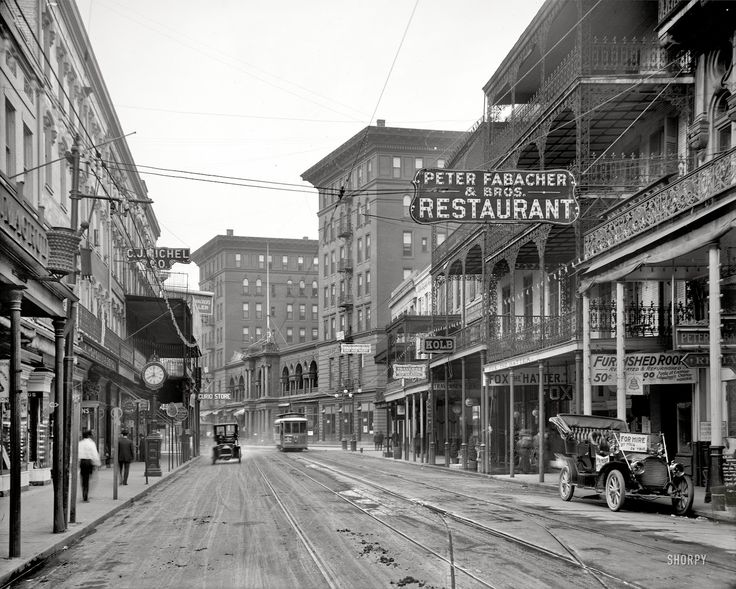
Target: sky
[(256, 92)]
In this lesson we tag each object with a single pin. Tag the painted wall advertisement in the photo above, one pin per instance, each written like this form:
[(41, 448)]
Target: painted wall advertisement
[(642, 370)]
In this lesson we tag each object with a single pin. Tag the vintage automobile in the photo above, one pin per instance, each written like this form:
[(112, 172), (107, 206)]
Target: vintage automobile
[(226, 439), (601, 454)]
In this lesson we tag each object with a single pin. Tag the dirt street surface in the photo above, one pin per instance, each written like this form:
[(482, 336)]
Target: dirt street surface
[(325, 518)]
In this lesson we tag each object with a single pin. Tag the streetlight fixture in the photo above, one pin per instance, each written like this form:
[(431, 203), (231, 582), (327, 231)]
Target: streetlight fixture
[(341, 395)]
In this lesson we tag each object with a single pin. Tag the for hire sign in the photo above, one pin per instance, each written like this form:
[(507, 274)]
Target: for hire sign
[(504, 196)]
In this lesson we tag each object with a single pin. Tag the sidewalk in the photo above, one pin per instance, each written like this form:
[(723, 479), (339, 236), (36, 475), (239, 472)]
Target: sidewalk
[(700, 507), (36, 535)]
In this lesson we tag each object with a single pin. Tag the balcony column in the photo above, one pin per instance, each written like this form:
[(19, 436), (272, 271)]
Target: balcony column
[(463, 433), (620, 353), (583, 384), (483, 462), (511, 422), (715, 476)]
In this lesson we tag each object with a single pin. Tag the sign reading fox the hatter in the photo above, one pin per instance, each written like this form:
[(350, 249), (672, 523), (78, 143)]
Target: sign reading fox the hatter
[(503, 196)]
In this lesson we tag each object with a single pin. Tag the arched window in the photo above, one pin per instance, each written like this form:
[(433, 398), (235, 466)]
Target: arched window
[(721, 124), (246, 286), (259, 287)]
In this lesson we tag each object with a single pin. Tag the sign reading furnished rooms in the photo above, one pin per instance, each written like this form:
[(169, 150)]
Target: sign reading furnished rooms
[(503, 196)]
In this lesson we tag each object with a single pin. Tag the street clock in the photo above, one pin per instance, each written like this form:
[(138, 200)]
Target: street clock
[(153, 375)]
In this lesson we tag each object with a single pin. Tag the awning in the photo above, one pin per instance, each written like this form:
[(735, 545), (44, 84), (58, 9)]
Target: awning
[(239, 412)]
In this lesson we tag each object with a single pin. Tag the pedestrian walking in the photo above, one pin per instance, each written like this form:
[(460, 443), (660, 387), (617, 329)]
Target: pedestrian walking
[(126, 455), (380, 440), (89, 458)]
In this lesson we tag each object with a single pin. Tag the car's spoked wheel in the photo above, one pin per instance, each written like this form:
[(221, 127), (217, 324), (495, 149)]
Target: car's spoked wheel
[(567, 489), (683, 495), (615, 490)]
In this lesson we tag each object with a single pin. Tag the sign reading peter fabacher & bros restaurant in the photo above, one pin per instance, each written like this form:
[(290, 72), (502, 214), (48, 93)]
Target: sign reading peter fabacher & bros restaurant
[(500, 196)]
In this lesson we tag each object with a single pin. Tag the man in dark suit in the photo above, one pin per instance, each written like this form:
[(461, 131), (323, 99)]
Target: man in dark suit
[(126, 455)]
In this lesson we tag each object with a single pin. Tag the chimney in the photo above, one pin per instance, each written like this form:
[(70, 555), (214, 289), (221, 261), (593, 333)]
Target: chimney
[(380, 122), (229, 232)]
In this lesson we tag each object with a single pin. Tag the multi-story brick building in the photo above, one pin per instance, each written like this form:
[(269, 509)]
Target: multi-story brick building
[(259, 341), (367, 246)]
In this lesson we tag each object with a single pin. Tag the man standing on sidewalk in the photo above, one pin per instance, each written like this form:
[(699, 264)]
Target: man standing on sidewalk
[(126, 455)]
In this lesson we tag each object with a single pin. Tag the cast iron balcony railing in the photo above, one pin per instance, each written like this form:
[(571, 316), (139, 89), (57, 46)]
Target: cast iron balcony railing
[(509, 335), (345, 265), (640, 320)]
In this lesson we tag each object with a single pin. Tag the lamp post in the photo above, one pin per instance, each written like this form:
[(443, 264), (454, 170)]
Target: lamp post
[(341, 395)]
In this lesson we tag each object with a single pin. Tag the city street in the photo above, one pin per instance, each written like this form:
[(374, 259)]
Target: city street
[(327, 518)]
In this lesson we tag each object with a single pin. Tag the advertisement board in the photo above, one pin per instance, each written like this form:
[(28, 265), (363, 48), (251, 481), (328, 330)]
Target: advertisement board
[(642, 369)]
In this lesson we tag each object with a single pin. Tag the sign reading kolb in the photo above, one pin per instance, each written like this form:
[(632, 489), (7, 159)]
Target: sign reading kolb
[(438, 344), (503, 196), (161, 258)]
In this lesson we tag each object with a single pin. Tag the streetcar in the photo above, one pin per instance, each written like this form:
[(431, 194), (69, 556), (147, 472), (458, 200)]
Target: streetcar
[(290, 432)]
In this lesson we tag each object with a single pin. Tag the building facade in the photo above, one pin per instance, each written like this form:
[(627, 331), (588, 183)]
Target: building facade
[(367, 246), (73, 299), (259, 341)]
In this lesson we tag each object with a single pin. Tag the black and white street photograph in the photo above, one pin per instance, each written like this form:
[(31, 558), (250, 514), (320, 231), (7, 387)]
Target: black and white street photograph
[(328, 294)]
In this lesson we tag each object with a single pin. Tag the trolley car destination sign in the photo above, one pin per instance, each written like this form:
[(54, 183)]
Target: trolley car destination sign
[(502, 196)]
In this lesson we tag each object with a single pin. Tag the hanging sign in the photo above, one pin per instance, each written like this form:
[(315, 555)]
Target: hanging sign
[(642, 369), (160, 258), (494, 196)]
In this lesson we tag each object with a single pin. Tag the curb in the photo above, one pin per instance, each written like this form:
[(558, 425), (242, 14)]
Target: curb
[(76, 535)]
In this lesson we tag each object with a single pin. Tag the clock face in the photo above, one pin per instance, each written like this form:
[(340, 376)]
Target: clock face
[(154, 374)]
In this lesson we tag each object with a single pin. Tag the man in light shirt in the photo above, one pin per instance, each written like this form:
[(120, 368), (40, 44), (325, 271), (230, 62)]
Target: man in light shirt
[(88, 459)]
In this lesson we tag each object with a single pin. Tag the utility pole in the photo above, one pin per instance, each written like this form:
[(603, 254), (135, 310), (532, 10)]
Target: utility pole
[(70, 449)]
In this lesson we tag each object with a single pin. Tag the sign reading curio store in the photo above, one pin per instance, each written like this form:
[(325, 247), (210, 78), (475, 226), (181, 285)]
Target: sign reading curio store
[(501, 196)]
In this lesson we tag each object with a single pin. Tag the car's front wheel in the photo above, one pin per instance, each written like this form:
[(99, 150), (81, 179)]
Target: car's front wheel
[(567, 489), (683, 495), (615, 490)]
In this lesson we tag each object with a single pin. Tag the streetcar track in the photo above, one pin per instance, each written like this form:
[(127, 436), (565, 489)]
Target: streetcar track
[(528, 512), (450, 561), (320, 564), (572, 560)]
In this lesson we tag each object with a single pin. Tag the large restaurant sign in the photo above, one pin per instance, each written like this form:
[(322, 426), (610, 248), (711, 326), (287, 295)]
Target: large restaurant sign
[(503, 196)]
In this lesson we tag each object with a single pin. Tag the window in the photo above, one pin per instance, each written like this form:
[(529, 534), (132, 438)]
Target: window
[(246, 310), (314, 288), (418, 163), (332, 262), (238, 260), (326, 265), (367, 316), (369, 169), (246, 286), (327, 297), (722, 124), (289, 335), (259, 311), (367, 247), (359, 249), (396, 167), (408, 245), (10, 147), (302, 288), (28, 160), (407, 204), (440, 163), (315, 312), (367, 212), (325, 327), (270, 262), (259, 333), (300, 263), (284, 261), (246, 334), (302, 312), (302, 335), (315, 334), (259, 287), (289, 311), (273, 289), (359, 325), (315, 262), (332, 294), (289, 284), (359, 287), (368, 282), (407, 273), (424, 245), (261, 261)]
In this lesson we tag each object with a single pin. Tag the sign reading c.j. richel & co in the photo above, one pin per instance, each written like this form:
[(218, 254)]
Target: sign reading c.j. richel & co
[(502, 196), (162, 258)]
